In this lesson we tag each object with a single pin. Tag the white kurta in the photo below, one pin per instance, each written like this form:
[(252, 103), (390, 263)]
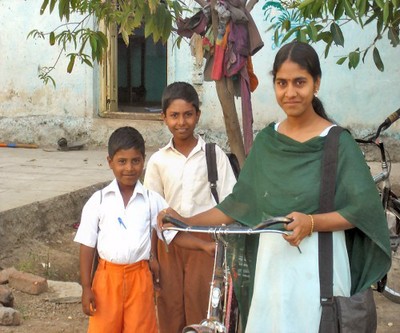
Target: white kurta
[(283, 305)]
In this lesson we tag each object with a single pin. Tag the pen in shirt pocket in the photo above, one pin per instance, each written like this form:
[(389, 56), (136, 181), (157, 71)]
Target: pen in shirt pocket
[(121, 222)]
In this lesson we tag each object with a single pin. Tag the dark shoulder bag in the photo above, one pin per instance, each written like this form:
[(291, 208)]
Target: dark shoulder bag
[(211, 159), (354, 314)]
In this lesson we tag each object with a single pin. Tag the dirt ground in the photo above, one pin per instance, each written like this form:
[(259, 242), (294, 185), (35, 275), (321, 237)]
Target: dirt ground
[(41, 316), (55, 259), (58, 260)]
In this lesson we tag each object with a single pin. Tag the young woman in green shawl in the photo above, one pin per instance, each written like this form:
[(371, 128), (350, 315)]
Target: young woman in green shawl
[(281, 177)]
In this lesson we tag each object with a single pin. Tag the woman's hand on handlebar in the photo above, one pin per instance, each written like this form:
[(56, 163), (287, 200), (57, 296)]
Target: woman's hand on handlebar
[(167, 211), (301, 227)]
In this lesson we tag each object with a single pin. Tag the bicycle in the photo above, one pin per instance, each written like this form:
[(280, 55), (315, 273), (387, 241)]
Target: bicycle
[(218, 319), (390, 286)]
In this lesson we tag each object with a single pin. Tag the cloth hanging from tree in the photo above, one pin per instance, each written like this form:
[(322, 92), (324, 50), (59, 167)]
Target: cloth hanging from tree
[(230, 55)]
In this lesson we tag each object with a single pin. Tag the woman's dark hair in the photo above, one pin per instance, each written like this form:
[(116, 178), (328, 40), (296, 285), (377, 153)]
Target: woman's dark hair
[(306, 57), (125, 138), (179, 90)]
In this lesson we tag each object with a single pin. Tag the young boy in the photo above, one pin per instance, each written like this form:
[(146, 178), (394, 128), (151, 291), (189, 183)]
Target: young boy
[(179, 173), (118, 221)]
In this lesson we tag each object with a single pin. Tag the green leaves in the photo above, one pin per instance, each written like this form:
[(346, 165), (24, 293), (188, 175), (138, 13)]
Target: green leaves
[(393, 35), (312, 31), (71, 63), (377, 60), (44, 5), (156, 18), (89, 45), (362, 6), (348, 8), (323, 21), (52, 38), (332, 5), (337, 34), (380, 3), (354, 59), (339, 10), (63, 9), (341, 60)]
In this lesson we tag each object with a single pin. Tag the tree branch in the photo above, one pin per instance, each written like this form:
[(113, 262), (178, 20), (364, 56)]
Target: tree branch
[(202, 3), (250, 5)]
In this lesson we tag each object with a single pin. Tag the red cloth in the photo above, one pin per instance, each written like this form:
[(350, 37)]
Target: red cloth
[(219, 55), (252, 77)]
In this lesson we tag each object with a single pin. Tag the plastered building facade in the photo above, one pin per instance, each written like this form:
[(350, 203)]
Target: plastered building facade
[(85, 106)]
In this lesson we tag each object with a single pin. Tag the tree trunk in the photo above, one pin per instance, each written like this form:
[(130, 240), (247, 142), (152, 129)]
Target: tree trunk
[(231, 119), (227, 101)]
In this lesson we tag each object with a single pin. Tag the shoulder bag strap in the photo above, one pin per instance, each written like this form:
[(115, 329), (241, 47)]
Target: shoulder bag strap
[(148, 198), (96, 252), (325, 247), (212, 169)]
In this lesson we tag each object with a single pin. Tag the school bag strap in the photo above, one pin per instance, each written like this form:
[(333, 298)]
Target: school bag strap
[(212, 169), (96, 251), (150, 216)]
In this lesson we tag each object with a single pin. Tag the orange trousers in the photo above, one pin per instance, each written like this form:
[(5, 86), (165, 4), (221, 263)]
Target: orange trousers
[(185, 277), (124, 298)]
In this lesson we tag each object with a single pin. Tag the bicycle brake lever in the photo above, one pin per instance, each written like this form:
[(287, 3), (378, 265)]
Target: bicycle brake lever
[(170, 219), (177, 223), (273, 221), (276, 220), (164, 241)]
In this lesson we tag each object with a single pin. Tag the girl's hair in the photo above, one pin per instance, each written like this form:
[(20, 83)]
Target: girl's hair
[(125, 138), (179, 90), (306, 57)]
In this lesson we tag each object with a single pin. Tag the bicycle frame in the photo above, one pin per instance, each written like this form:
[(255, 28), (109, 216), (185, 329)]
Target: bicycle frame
[(383, 177), (218, 289), (391, 205), (217, 320)]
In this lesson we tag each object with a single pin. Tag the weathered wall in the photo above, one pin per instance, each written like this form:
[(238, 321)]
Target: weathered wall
[(30, 111), (33, 113)]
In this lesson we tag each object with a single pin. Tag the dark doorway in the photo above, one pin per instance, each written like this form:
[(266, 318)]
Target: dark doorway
[(142, 73)]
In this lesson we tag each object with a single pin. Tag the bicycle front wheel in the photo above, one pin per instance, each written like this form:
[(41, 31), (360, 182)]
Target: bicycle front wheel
[(392, 289)]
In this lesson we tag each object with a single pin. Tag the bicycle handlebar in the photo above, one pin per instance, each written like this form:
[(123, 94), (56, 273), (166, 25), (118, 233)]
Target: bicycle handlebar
[(228, 230), (392, 118)]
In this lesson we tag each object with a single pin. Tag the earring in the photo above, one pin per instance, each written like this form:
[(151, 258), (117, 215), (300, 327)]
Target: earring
[(316, 93)]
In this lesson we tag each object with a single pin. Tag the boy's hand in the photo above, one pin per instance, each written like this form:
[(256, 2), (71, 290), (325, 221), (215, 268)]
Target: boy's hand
[(88, 301), (155, 272), (209, 247)]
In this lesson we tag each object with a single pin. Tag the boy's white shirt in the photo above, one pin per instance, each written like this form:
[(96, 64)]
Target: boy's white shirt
[(183, 181), (123, 242)]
